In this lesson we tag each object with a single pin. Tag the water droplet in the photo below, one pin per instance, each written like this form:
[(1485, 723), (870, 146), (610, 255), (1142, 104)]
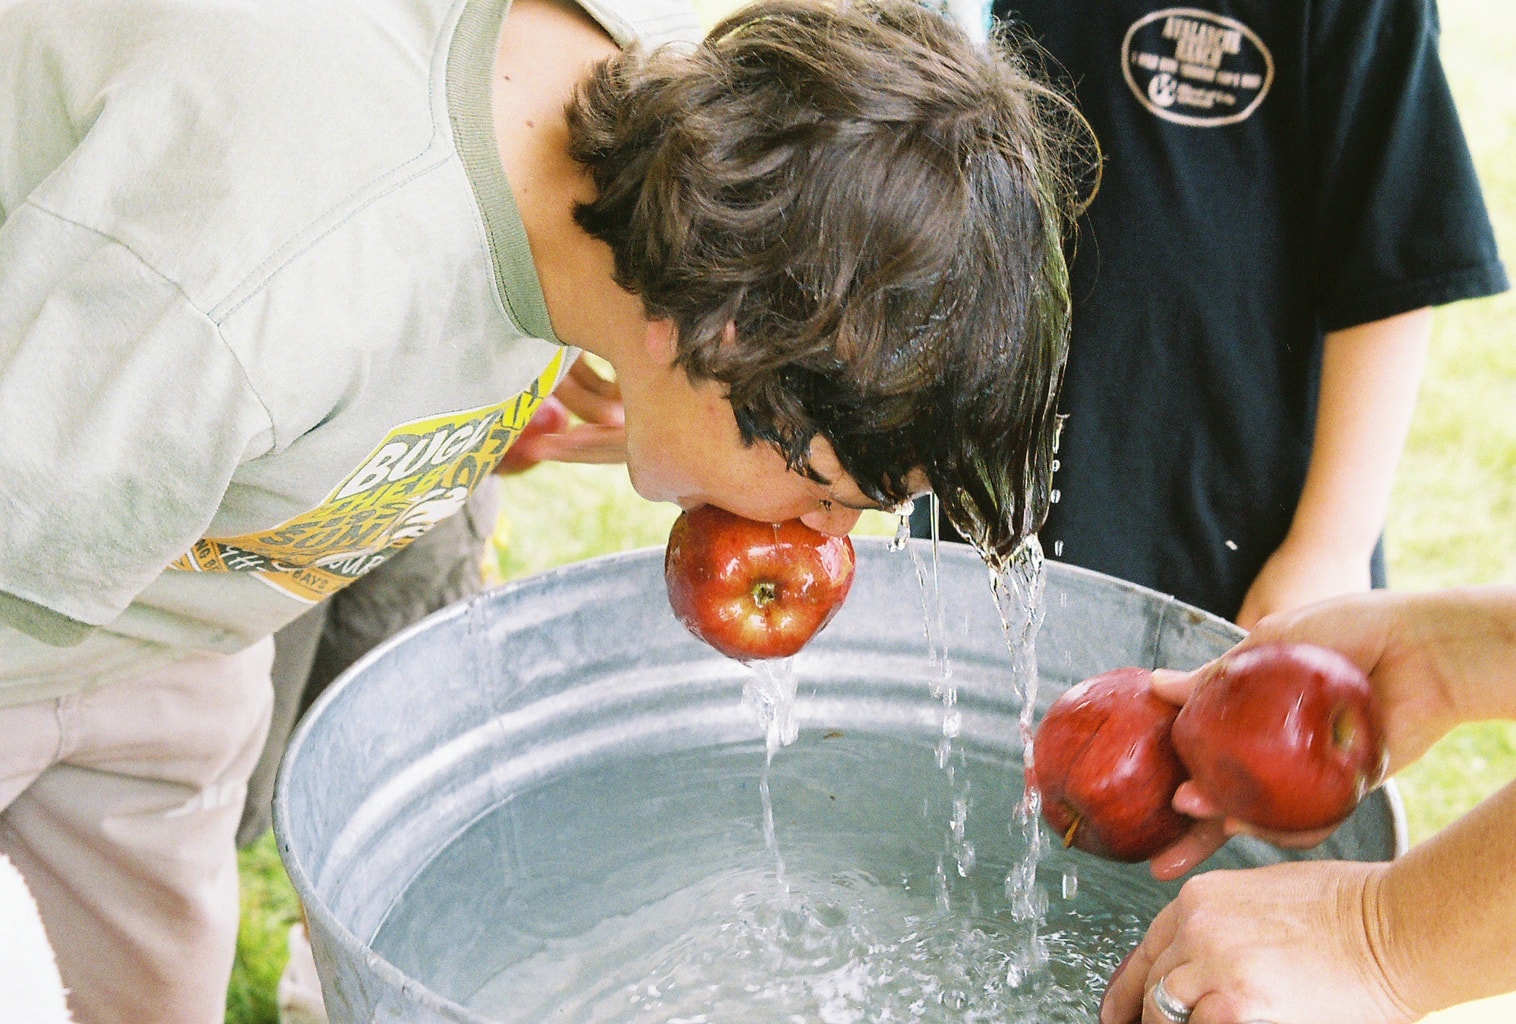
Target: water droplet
[(1232, 544), (966, 858), (902, 532), (1070, 885), (1057, 549)]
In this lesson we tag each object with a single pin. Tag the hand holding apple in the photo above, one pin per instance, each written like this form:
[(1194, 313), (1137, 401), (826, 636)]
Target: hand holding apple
[(1283, 737), (1106, 769), (754, 590)]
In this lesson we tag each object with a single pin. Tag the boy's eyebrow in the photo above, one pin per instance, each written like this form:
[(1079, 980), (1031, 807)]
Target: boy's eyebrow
[(857, 508), (871, 506), (865, 502)]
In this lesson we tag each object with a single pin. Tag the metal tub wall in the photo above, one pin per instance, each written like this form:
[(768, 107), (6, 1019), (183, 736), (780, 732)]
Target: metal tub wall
[(587, 662)]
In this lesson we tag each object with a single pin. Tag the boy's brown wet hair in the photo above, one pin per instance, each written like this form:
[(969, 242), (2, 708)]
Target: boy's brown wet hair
[(879, 205)]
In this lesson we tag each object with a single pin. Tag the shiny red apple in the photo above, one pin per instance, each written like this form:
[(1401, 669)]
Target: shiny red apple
[(754, 590), (1106, 769), (1284, 737), (551, 417)]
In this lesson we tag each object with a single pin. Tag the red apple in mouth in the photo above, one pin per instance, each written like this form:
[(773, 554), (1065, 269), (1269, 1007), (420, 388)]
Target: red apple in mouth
[(754, 590), (1284, 737), (1106, 769)]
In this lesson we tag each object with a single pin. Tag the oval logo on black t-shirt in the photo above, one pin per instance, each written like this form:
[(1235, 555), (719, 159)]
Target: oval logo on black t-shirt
[(1193, 67)]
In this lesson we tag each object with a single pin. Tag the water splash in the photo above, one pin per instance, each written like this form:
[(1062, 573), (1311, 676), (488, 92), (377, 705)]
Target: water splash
[(903, 525), (934, 615), (770, 694), (959, 848), (1018, 590), (1017, 586)]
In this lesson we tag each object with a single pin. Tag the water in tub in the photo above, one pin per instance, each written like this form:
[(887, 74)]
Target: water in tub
[(828, 876)]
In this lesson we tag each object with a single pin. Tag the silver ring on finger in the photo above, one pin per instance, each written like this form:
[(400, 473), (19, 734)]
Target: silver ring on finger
[(1171, 1008)]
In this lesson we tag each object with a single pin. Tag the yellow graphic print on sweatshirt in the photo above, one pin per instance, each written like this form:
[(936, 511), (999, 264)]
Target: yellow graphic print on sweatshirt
[(420, 474)]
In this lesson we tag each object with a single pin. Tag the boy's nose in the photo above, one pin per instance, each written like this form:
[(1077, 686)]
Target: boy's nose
[(836, 521)]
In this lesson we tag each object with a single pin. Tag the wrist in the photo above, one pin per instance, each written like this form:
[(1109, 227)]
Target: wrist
[(1444, 914), (1338, 541), (1390, 940), (1464, 637)]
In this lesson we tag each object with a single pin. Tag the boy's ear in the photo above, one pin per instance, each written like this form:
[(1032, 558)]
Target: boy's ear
[(661, 340)]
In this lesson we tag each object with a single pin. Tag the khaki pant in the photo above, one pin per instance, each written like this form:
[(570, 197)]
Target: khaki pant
[(119, 805), (440, 567)]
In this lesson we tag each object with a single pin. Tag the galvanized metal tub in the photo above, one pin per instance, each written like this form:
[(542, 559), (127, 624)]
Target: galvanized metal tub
[(585, 665)]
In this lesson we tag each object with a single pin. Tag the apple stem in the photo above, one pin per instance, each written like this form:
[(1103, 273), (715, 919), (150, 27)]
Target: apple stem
[(1343, 729), (1068, 837)]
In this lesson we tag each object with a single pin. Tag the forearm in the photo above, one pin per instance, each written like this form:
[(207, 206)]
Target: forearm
[(1444, 916), (1463, 641), (1370, 376)]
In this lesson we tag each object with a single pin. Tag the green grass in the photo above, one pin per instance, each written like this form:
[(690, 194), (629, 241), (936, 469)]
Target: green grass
[(1452, 521), (1453, 515), (269, 907)]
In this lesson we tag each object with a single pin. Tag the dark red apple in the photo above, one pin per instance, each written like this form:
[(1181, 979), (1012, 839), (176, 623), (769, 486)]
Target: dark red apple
[(1284, 737), (1106, 769), (551, 417), (754, 590)]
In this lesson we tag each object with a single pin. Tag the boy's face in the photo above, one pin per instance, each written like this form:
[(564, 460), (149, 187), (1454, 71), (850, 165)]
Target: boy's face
[(683, 446)]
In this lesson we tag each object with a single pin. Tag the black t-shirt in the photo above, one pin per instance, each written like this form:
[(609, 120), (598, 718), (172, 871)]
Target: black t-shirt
[(1273, 170)]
